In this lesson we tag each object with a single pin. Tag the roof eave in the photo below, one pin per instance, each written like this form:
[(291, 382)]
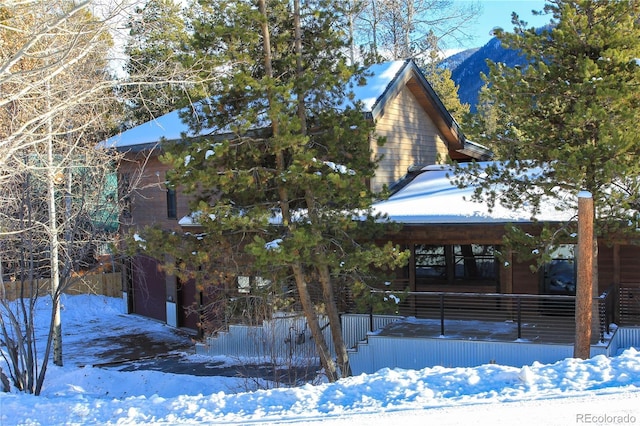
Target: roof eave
[(475, 151)]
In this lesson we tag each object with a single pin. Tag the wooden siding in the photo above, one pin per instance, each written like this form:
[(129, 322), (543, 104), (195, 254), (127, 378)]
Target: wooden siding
[(525, 281), (450, 234), (149, 199), (411, 138), (617, 263), (630, 264), (606, 266)]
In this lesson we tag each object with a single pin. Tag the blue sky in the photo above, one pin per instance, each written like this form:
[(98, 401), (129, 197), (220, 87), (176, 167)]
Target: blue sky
[(497, 13)]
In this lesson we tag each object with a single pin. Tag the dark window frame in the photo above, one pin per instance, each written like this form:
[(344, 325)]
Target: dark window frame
[(456, 264), (172, 204), (560, 274), (478, 262)]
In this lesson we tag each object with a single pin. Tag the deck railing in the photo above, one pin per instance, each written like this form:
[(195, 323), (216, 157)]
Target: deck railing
[(607, 309), (547, 318)]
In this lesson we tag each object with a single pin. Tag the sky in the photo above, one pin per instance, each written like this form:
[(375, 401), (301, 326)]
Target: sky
[(86, 390), (497, 13)]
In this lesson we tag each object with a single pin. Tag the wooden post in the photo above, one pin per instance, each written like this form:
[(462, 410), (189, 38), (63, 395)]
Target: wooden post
[(584, 287)]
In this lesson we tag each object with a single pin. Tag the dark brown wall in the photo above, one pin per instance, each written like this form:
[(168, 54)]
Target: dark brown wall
[(616, 263), (630, 264), (151, 288), (148, 292), (606, 266), (524, 280), (149, 197)]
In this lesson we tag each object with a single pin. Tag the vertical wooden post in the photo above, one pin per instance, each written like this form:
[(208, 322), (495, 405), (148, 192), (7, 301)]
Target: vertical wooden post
[(584, 287)]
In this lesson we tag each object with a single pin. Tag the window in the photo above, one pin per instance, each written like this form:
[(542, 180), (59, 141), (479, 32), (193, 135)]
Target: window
[(560, 273), (244, 285), (451, 264), (474, 262), (431, 262), (172, 208), (248, 285)]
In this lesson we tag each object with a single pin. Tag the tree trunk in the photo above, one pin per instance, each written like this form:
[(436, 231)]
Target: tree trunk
[(312, 320), (334, 321), (54, 245), (584, 288), (301, 283)]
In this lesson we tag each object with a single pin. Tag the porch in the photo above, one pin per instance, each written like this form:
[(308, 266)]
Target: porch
[(544, 318), (416, 352), (447, 329), (462, 329)]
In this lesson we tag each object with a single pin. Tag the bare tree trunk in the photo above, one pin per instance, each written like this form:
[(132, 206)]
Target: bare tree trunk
[(342, 355), (584, 288), (309, 309), (55, 80), (374, 27), (54, 247), (352, 31)]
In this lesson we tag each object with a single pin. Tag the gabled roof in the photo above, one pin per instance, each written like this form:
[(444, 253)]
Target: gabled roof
[(383, 83), (433, 198), (407, 74)]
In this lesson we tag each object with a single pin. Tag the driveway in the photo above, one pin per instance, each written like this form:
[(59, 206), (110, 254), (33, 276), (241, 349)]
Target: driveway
[(150, 345)]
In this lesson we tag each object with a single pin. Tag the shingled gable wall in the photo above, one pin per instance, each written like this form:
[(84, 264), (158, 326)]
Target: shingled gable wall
[(411, 138)]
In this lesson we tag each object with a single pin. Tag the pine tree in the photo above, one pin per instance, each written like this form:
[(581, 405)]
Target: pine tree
[(440, 79), (277, 196), (570, 113), (573, 106)]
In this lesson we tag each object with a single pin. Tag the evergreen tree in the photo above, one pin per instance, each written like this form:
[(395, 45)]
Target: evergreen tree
[(570, 112), (440, 79), (277, 195), (158, 48)]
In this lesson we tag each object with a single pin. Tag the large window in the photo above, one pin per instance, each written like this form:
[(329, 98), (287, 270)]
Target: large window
[(431, 263), (457, 263), (474, 262), (560, 273)]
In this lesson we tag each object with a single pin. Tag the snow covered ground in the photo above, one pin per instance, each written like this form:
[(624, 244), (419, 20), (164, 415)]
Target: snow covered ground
[(601, 390)]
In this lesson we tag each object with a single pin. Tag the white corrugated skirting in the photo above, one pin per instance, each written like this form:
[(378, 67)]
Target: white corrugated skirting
[(287, 337)]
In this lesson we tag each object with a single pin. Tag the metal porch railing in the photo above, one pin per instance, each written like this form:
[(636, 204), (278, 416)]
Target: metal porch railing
[(544, 318)]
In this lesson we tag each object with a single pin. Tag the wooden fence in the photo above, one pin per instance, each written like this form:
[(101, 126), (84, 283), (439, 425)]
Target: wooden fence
[(103, 284)]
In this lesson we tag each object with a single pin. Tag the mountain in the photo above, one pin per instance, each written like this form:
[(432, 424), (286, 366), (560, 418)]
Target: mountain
[(466, 73), (467, 66), (452, 61)]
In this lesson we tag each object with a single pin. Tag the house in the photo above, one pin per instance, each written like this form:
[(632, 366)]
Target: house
[(467, 305), (417, 127)]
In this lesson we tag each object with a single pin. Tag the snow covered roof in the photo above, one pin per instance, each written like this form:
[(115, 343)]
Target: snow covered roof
[(171, 127), (432, 198)]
